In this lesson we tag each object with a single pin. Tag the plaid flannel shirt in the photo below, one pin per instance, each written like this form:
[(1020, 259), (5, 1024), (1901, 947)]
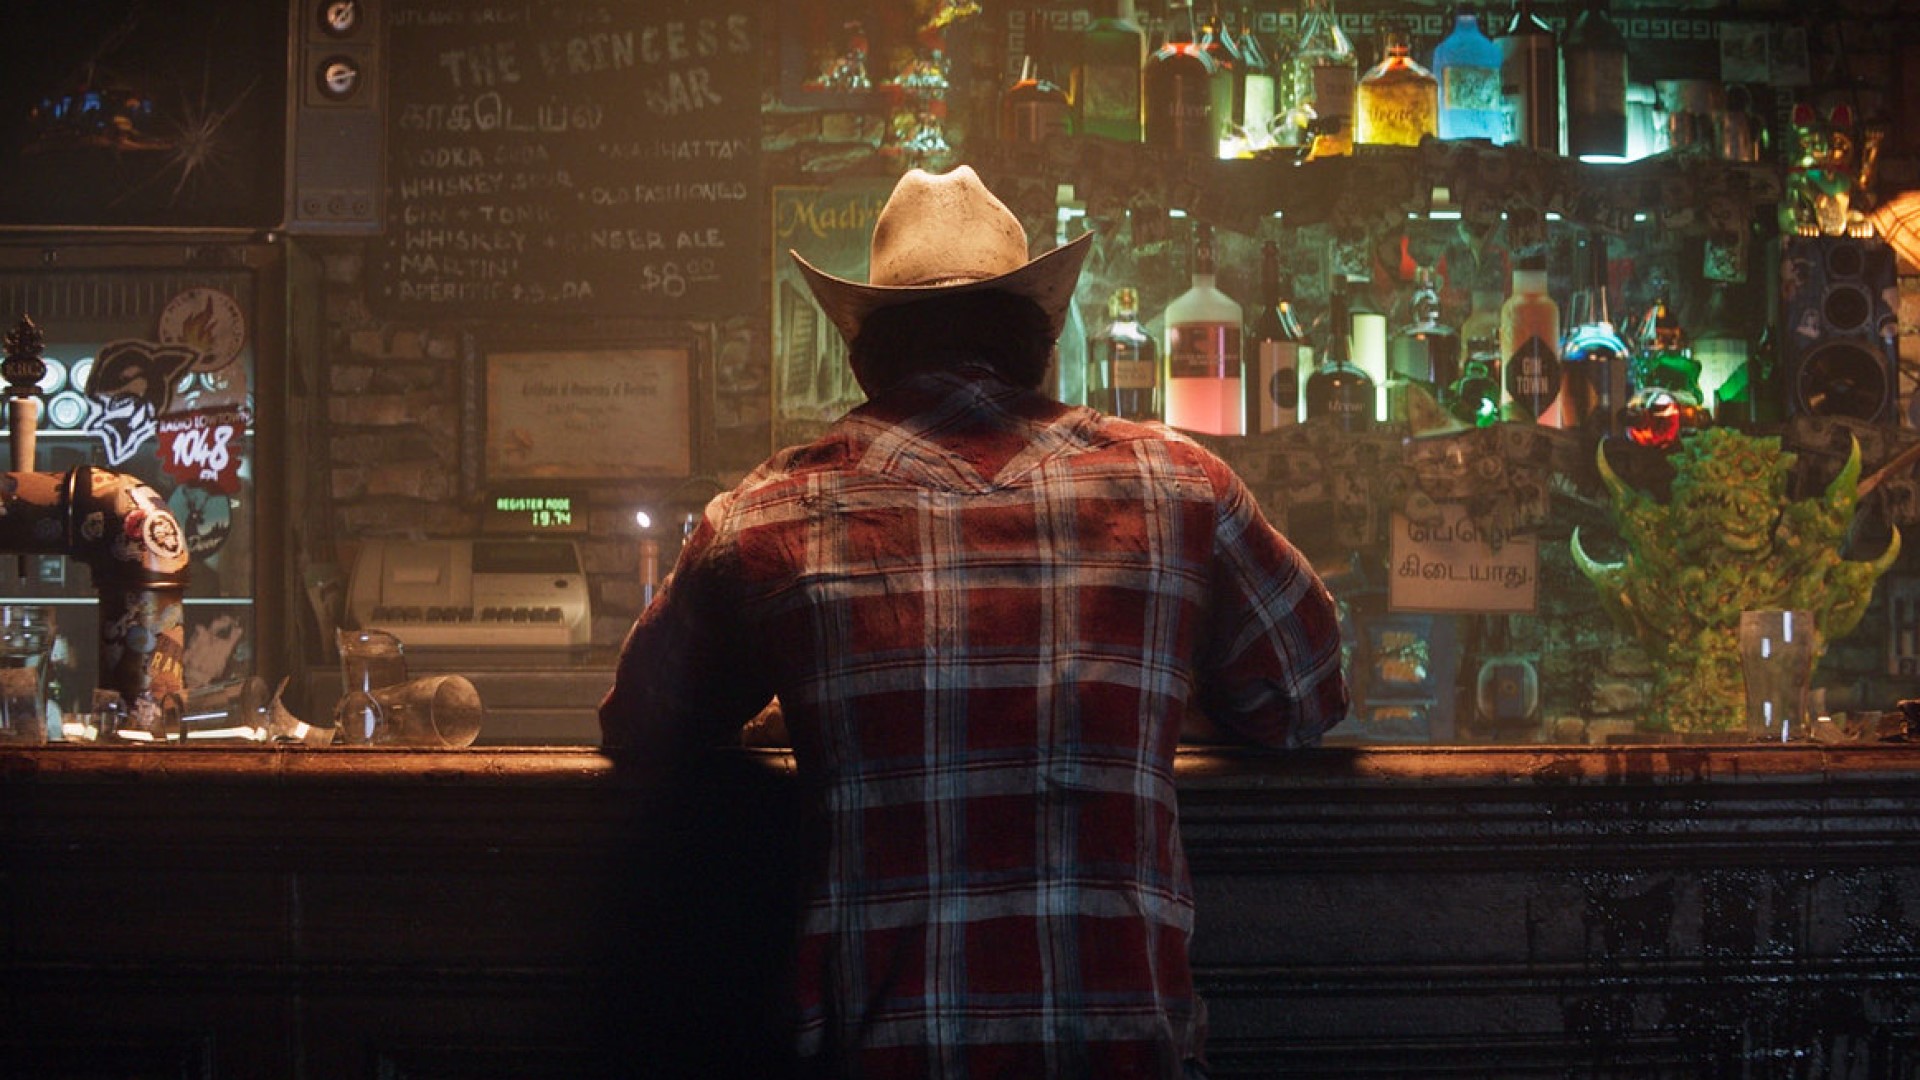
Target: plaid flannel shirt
[(984, 615)]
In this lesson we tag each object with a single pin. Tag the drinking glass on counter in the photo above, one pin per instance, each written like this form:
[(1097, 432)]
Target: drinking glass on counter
[(381, 706), (1776, 658), (26, 640), (369, 660), (435, 710)]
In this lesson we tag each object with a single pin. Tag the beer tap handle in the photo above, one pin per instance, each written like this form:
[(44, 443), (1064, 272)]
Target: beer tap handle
[(23, 369)]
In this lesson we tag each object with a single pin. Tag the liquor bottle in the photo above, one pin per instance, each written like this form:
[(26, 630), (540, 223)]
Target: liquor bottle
[(1398, 100), (1258, 98), (1595, 58), (1425, 350), (1367, 342), (1179, 93), (1035, 108), (1665, 360), (1323, 76), (1106, 80), (1337, 391), (1229, 81), (1203, 351), (1593, 355), (1477, 396), (1467, 64), (1276, 351), (1530, 80), (1123, 363), (1530, 342), (1293, 113)]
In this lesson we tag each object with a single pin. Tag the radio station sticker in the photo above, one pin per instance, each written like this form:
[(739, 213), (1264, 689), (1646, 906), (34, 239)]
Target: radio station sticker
[(209, 321), (206, 520), (202, 447)]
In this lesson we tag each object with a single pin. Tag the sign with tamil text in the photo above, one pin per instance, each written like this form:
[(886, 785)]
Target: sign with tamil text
[(1454, 565)]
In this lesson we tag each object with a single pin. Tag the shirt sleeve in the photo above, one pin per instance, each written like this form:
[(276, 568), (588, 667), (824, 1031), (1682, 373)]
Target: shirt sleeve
[(1271, 668), (685, 678)]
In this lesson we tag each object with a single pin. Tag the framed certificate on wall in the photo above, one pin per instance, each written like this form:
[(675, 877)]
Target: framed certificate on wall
[(590, 414)]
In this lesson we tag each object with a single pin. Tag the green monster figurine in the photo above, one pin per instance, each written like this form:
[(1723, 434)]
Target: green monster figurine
[(1729, 540)]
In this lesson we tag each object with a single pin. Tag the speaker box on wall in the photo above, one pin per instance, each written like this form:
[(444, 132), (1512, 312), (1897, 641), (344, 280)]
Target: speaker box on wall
[(336, 118), (1840, 338)]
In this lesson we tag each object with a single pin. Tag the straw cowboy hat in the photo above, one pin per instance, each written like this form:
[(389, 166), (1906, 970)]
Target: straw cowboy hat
[(944, 234)]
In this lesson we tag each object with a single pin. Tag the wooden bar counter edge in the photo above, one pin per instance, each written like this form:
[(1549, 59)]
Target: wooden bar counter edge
[(1515, 911)]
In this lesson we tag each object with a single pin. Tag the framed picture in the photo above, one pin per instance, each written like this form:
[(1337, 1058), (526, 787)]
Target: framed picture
[(590, 414), (1403, 676), (830, 227), (136, 114)]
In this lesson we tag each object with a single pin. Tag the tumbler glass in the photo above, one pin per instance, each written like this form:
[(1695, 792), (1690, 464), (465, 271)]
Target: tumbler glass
[(435, 710), (26, 639), (1776, 657), (369, 660)]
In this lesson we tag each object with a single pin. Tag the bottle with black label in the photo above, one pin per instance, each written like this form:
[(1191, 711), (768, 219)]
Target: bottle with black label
[(1595, 58), (1338, 391), (1179, 85), (1530, 80), (1276, 351), (1530, 342), (1123, 363)]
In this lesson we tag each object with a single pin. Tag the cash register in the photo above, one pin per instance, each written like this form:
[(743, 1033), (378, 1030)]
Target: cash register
[(473, 594)]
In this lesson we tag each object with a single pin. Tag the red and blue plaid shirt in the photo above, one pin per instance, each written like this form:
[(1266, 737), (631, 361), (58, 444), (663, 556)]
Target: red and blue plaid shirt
[(984, 614)]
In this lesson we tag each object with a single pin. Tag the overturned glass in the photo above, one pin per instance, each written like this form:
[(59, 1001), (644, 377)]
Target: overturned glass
[(382, 706)]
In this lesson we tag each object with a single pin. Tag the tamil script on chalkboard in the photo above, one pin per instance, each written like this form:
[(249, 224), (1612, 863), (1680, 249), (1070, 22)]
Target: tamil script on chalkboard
[(1450, 564), (564, 157)]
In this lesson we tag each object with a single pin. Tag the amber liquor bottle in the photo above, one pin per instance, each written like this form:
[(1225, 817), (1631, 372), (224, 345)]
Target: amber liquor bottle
[(1399, 100)]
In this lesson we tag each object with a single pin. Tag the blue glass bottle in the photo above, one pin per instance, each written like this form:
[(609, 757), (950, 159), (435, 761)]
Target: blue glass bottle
[(1467, 64)]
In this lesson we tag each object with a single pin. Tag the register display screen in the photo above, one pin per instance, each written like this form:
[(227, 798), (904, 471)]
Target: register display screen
[(535, 512), (524, 557)]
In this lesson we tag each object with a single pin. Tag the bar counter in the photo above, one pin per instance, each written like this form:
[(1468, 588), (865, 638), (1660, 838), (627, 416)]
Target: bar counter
[(1657, 910)]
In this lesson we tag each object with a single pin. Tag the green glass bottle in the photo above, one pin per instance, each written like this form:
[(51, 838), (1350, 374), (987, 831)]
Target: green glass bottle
[(1106, 80)]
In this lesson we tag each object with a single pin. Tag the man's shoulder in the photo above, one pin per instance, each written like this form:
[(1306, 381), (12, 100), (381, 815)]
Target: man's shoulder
[(1151, 439)]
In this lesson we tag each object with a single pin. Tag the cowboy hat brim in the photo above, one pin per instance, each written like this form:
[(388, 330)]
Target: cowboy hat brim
[(1048, 280)]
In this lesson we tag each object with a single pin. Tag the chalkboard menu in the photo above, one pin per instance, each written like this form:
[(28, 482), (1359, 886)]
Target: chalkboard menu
[(553, 158)]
